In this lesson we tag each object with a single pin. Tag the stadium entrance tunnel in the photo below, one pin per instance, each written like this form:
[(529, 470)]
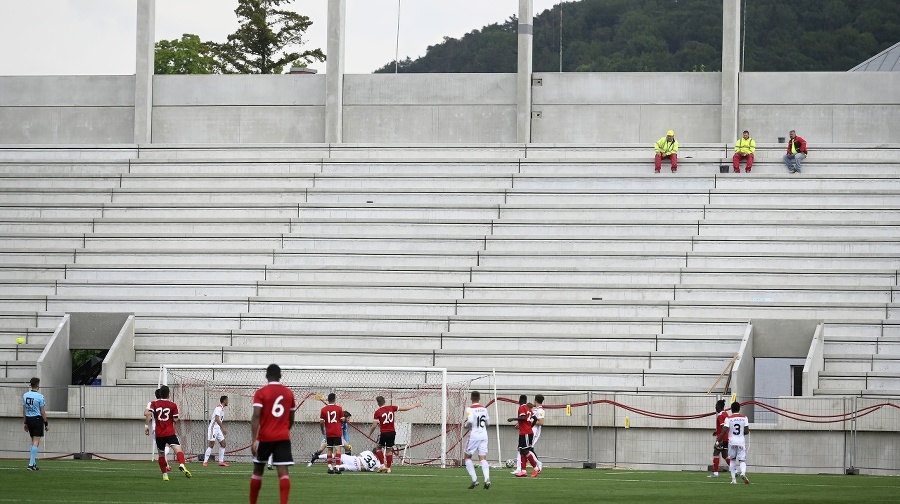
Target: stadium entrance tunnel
[(107, 339), (769, 339)]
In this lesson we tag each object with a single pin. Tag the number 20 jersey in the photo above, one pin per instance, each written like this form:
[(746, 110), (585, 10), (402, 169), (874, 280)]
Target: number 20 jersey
[(276, 402)]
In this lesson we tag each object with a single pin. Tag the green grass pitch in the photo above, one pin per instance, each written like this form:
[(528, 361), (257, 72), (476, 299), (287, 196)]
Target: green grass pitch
[(103, 482)]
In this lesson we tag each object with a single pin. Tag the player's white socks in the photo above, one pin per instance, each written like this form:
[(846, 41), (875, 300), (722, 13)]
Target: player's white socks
[(221, 455), (743, 468), (731, 467), (518, 462), (206, 455), (485, 470), (167, 452), (470, 468)]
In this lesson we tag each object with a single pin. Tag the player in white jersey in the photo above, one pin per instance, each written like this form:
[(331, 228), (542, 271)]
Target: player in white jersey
[(153, 432), (364, 462), (477, 419), (736, 425), (216, 432), (538, 419)]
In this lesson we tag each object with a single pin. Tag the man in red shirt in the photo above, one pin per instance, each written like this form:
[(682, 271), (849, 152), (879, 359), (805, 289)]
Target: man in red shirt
[(384, 420), (720, 447), (332, 418), (165, 413), (796, 152), (270, 425), (526, 440)]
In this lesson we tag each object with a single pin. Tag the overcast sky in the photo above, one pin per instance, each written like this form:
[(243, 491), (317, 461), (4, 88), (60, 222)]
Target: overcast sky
[(97, 37)]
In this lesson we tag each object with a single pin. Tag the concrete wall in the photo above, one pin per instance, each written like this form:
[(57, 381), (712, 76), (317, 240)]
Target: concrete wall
[(430, 108), (96, 109), (238, 109), (54, 367), (824, 107), (625, 107), (569, 108)]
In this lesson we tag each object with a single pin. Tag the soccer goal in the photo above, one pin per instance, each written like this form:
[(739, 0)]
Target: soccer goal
[(197, 389)]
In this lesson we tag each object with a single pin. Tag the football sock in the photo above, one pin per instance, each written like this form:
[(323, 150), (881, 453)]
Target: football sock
[(206, 455), (337, 459), (731, 468), (522, 464), (330, 460), (180, 457), (743, 468), (532, 459), (715, 464), (34, 450), (486, 470), (470, 468), (390, 460), (221, 455), (167, 451), (255, 485), (162, 463), (380, 456), (284, 488)]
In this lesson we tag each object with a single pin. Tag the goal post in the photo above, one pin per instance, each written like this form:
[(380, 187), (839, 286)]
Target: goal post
[(435, 433)]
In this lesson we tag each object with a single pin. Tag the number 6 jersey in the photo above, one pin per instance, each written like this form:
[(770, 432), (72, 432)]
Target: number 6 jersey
[(276, 402)]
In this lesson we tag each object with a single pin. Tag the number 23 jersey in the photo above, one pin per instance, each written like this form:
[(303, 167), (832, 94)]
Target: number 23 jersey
[(276, 402)]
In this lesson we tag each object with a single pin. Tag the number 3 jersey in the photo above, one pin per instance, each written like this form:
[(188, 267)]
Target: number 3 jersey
[(736, 424), (276, 402), (477, 417)]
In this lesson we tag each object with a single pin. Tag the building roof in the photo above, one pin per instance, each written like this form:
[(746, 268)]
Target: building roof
[(885, 61)]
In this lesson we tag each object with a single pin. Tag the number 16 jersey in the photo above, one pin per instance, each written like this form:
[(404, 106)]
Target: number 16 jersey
[(276, 402), (477, 417)]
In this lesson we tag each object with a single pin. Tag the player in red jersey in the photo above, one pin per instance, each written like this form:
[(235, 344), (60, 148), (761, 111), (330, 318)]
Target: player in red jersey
[(526, 438), (270, 426), (165, 413), (720, 447), (384, 420), (332, 419)]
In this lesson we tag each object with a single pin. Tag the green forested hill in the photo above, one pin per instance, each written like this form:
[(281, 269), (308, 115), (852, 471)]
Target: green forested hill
[(676, 35)]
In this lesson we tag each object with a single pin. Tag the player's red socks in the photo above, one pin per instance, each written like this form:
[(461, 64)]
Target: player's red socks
[(380, 456), (284, 488), (180, 457), (162, 463), (390, 460), (329, 459), (337, 459), (255, 485), (715, 464), (523, 460)]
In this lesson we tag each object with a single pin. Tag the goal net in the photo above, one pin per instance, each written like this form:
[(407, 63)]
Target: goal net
[(426, 435)]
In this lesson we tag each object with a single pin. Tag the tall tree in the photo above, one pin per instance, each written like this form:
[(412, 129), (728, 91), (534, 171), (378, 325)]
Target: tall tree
[(189, 55), (266, 33)]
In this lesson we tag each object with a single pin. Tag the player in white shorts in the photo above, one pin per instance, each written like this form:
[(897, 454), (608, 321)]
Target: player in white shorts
[(538, 420), (216, 432), (736, 425), (364, 462), (477, 419)]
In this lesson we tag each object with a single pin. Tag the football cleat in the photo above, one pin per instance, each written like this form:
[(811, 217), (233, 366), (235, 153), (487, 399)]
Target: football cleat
[(713, 475), (733, 482), (270, 467), (204, 465), (746, 479), (487, 485), (32, 468), (473, 485), (223, 464), (330, 471), (165, 477), (537, 470), (185, 471), (521, 474)]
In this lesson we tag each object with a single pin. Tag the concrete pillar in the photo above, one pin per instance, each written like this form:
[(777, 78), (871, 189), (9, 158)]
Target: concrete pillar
[(525, 66), (334, 72), (731, 66), (143, 70)]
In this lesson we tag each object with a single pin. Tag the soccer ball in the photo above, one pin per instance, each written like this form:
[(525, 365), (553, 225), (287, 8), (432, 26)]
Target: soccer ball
[(510, 463)]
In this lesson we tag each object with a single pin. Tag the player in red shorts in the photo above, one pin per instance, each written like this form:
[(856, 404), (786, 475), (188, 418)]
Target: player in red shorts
[(526, 440), (270, 426)]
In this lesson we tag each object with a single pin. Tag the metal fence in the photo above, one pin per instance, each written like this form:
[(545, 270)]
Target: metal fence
[(790, 434)]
